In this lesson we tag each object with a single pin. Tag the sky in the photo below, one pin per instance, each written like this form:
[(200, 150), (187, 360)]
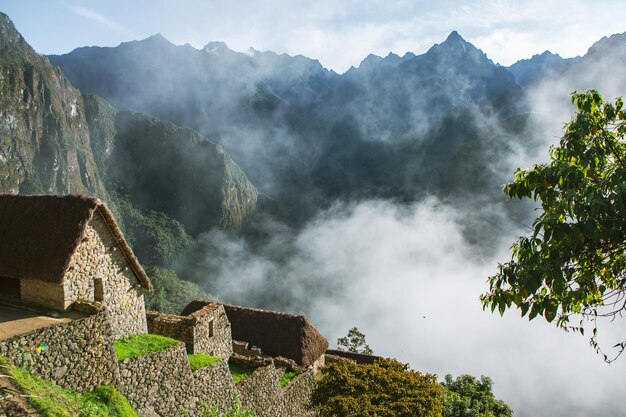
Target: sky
[(337, 33)]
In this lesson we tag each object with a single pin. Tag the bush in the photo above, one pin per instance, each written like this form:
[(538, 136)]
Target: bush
[(386, 388), (469, 397)]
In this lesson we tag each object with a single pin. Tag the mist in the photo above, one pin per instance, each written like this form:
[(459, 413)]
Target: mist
[(407, 277)]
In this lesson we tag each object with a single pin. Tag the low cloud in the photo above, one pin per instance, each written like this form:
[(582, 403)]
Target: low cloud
[(406, 276)]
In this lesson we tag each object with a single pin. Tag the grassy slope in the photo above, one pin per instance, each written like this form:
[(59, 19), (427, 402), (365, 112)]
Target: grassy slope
[(239, 372), (50, 400), (200, 360), (141, 345)]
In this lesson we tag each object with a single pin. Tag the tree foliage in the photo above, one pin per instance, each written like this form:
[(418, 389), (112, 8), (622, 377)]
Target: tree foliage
[(386, 388), (470, 397), (355, 342), (573, 264), (171, 294)]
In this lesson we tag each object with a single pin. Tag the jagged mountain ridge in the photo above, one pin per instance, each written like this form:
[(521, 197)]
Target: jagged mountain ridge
[(305, 134)]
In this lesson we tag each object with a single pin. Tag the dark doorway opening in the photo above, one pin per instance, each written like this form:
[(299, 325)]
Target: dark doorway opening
[(10, 288)]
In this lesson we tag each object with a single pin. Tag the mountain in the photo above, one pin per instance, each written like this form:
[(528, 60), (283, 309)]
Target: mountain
[(45, 145), (187, 177), (539, 67), (308, 135), (56, 140)]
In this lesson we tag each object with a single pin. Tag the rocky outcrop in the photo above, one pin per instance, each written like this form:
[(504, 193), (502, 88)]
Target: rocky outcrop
[(44, 139)]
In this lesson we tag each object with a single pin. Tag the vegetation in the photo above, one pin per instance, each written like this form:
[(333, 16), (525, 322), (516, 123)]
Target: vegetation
[(386, 388), (287, 376), (158, 241), (156, 238), (354, 341), (140, 345), (239, 371), (50, 400), (171, 294), (573, 265), (469, 397), (200, 360)]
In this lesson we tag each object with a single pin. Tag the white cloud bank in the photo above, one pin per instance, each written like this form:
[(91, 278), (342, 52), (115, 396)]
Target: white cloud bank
[(406, 277)]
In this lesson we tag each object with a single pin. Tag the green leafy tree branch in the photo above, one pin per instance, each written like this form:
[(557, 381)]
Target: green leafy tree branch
[(573, 264)]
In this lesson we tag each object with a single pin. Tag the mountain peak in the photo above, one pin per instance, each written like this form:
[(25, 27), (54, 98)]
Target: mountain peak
[(216, 47), (156, 39), (454, 37), (10, 36)]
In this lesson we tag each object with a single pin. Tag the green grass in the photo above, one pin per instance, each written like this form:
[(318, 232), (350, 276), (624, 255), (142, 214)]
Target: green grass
[(239, 372), (50, 400), (200, 360), (140, 345), (288, 376)]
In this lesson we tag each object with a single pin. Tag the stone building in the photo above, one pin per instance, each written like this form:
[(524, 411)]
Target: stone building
[(56, 250), (203, 326), (277, 334)]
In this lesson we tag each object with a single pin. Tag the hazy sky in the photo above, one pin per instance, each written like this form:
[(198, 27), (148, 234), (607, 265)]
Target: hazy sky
[(338, 33)]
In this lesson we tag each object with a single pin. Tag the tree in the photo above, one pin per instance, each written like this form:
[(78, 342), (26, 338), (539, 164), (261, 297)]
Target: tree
[(470, 397), (386, 388), (354, 341), (573, 264)]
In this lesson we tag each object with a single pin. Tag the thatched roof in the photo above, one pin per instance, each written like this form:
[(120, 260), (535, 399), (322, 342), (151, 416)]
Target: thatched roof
[(40, 233), (277, 334)]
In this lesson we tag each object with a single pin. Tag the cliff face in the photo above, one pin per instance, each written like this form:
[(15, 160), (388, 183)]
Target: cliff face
[(166, 168), (44, 139), (53, 140)]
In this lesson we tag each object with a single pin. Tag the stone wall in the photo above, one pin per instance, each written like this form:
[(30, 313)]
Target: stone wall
[(98, 263), (42, 293), (214, 386), (159, 382), (296, 396), (175, 327), (212, 333), (261, 393), (205, 331), (78, 354)]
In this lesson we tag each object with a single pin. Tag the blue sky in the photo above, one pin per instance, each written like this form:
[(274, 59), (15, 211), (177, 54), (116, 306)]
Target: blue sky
[(338, 33)]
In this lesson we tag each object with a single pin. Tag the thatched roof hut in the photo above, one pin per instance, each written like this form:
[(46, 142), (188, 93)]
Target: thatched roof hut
[(277, 334), (40, 233)]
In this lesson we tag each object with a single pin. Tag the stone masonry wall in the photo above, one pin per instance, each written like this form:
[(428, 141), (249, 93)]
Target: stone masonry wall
[(212, 334), (98, 257), (214, 386), (79, 354), (296, 396), (175, 327), (42, 293), (159, 382), (162, 382), (206, 331), (261, 392)]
